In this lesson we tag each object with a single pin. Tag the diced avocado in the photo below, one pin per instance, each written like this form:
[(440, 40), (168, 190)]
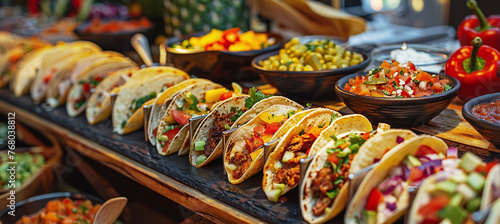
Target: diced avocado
[(459, 177), (277, 165), (444, 187), (454, 213), (445, 221), (200, 159), (369, 217), (168, 128), (467, 192), (327, 210), (441, 155), (456, 200), (288, 156), (199, 145), (280, 186), (231, 167), (163, 138), (411, 161), (469, 162), (474, 204), (476, 181), (273, 194)]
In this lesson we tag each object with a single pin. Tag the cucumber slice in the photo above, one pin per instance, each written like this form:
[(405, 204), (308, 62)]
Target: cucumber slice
[(199, 146), (200, 159), (288, 156)]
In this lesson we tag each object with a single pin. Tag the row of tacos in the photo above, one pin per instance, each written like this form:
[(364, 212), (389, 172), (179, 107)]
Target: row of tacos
[(256, 133)]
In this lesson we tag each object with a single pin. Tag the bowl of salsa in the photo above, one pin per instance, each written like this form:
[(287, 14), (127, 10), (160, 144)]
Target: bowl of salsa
[(399, 94), (483, 113)]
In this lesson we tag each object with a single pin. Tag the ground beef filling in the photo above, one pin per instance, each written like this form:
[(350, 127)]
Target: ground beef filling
[(289, 174), (320, 186), (215, 134), (242, 159)]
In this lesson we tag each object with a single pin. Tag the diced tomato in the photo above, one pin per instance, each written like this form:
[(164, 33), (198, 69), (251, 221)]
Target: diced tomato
[(47, 78), (155, 131), (481, 169), (423, 76), (374, 198), (358, 81), (415, 175), (98, 78), (86, 87), (437, 87), (405, 79), (333, 158), (170, 134), (389, 88), (315, 131), (405, 94), (434, 79), (272, 128), (424, 150), (254, 142), (386, 65), (366, 135), (363, 91), (226, 95), (412, 66), (259, 129), (431, 209), (490, 165), (347, 87), (395, 63), (52, 206), (231, 35), (376, 93), (181, 117)]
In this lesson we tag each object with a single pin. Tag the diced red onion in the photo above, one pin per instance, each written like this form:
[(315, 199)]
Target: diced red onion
[(391, 185), (399, 139), (391, 206), (376, 160), (405, 172), (452, 152), (429, 167), (423, 159)]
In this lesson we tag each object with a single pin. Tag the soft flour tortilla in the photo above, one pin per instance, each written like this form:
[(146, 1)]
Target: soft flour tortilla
[(316, 118), (373, 149), (76, 90), (198, 90), (99, 63), (61, 59), (161, 103), (27, 69), (99, 103), (237, 140), (375, 176), (151, 79)]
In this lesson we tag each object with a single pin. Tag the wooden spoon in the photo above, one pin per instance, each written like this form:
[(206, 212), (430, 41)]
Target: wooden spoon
[(110, 210)]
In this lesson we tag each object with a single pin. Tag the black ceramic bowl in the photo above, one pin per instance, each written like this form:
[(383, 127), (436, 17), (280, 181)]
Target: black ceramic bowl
[(398, 112), (35, 204), (116, 41), (218, 66), (307, 85), (490, 131)]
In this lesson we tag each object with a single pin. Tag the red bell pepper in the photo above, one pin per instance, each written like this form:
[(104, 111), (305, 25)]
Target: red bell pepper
[(478, 25), (476, 67)]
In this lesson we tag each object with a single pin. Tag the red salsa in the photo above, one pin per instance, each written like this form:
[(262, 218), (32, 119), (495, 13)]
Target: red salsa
[(488, 111), (399, 80)]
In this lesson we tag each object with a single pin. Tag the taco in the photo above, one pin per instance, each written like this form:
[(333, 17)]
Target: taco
[(193, 101), (244, 155), (494, 217), (383, 195), (61, 59), (9, 60), (455, 193), (96, 65), (143, 86), (161, 103), (281, 171), (324, 191), (99, 102)]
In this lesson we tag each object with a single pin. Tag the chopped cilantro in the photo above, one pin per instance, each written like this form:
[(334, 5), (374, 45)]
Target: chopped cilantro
[(339, 142), (356, 139), (334, 116), (331, 150), (333, 137), (302, 132), (401, 72), (227, 127), (290, 113), (60, 216), (322, 125), (74, 210), (386, 92), (255, 96), (387, 71), (429, 83), (80, 103), (416, 81), (395, 84), (124, 123), (353, 147), (195, 102), (236, 115), (447, 87), (339, 180), (233, 109), (81, 82), (332, 194), (84, 209), (308, 105), (375, 71)]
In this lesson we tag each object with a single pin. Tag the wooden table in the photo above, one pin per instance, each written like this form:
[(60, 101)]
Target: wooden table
[(206, 190)]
